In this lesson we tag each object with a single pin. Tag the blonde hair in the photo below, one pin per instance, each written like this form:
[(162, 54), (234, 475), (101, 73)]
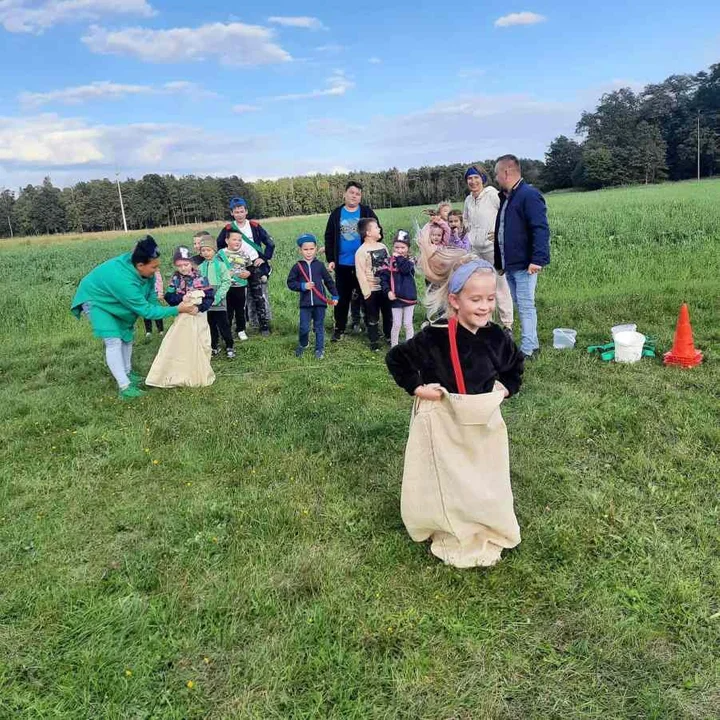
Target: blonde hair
[(444, 203), (438, 263)]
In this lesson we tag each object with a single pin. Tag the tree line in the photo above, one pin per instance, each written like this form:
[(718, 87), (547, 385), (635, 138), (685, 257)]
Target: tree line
[(642, 137), (164, 200)]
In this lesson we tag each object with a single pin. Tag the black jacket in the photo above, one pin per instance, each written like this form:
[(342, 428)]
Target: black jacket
[(332, 231), (485, 357)]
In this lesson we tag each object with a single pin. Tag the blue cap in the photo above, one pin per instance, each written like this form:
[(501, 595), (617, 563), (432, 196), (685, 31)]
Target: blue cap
[(471, 171), (237, 202), (306, 238)]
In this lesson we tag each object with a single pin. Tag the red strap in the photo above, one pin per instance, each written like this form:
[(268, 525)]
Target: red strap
[(454, 356), (314, 289), (391, 268)]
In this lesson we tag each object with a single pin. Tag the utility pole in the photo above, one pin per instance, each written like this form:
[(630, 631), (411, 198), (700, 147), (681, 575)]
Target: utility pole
[(698, 147), (122, 207)]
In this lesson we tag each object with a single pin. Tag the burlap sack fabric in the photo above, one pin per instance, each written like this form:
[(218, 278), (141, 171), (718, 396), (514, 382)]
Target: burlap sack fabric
[(183, 359), (456, 482)]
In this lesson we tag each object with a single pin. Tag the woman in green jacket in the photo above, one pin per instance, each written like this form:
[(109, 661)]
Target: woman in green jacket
[(113, 296)]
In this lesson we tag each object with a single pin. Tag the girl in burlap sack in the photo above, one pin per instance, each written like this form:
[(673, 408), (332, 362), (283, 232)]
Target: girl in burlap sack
[(456, 481)]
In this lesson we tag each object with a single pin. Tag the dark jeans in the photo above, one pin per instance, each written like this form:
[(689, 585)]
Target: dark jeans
[(374, 305), (317, 315), (357, 305), (158, 324), (255, 286), (236, 307), (219, 325), (346, 281)]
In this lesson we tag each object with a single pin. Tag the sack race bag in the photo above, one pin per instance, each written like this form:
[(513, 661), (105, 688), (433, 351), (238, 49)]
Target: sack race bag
[(183, 359), (456, 481)]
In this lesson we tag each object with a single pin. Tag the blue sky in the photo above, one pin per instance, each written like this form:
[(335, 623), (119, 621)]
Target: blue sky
[(280, 88)]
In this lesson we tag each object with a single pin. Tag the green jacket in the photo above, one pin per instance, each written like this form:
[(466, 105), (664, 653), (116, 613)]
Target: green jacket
[(217, 273), (117, 295)]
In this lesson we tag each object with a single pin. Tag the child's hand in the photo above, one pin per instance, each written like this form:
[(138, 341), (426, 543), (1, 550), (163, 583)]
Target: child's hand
[(259, 262), (309, 285), (244, 274), (429, 392), (392, 295), (499, 386)]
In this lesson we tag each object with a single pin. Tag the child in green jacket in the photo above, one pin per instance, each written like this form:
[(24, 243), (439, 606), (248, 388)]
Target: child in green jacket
[(215, 269)]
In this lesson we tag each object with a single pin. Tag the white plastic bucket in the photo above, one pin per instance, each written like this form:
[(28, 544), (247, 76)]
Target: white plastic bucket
[(564, 338), (628, 327), (628, 346)]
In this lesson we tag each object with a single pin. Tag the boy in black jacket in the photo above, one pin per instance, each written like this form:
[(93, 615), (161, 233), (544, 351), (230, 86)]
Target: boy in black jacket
[(307, 277)]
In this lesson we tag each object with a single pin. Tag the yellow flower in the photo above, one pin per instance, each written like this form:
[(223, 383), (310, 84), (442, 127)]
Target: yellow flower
[(147, 450), (128, 673), (214, 539), (156, 462), (206, 660), (190, 684)]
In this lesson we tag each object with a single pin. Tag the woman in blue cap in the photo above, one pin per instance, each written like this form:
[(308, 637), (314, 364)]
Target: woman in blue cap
[(456, 483), (479, 213)]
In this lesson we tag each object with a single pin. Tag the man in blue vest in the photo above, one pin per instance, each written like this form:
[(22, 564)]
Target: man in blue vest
[(522, 244)]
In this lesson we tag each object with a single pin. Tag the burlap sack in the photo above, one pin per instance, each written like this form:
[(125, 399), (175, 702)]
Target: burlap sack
[(183, 359), (456, 482)]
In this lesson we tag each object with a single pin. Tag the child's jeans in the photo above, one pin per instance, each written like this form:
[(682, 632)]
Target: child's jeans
[(118, 356), (236, 307), (158, 324), (402, 316), (317, 315), (219, 325)]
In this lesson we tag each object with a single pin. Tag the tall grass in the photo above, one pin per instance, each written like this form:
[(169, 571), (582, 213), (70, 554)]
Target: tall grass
[(237, 551)]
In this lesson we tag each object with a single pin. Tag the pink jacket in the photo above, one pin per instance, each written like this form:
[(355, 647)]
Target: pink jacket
[(159, 287)]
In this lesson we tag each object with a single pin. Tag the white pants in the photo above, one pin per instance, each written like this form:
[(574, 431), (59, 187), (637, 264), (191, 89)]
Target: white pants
[(402, 316), (118, 356), (504, 305)]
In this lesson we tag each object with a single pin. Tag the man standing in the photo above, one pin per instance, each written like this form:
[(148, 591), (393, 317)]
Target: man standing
[(479, 215), (342, 241), (522, 244)]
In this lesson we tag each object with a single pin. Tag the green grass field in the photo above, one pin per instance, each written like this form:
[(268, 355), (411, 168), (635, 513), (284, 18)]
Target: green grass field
[(237, 551)]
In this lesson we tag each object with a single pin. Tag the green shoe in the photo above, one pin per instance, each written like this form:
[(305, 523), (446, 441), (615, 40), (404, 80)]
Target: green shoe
[(135, 378), (131, 392)]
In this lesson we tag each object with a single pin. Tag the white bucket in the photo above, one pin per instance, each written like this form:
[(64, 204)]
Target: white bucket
[(628, 327), (564, 338), (628, 346)]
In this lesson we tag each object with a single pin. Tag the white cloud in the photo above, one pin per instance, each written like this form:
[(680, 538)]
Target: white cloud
[(375, 61), (309, 23), (332, 48), (338, 84), (31, 147), (32, 17), (107, 90), (240, 109), (232, 43), (520, 18)]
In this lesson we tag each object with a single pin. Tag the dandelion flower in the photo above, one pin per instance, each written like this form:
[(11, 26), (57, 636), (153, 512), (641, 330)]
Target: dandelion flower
[(206, 660), (156, 462), (128, 673), (190, 684)]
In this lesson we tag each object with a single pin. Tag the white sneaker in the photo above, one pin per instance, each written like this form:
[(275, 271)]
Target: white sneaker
[(242, 335)]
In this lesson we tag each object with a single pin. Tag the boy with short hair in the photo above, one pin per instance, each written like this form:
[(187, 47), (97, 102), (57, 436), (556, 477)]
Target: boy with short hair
[(307, 277), (215, 269), (370, 258), (197, 258), (258, 238)]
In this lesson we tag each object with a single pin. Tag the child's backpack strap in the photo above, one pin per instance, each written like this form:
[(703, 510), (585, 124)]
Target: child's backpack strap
[(454, 355)]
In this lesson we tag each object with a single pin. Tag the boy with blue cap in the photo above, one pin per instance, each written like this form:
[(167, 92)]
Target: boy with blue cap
[(307, 277), (260, 240)]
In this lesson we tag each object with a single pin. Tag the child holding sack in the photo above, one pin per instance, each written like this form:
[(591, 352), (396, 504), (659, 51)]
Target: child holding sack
[(215, 270), (307, 277), (183, 359), (397, 281), (456, 483)]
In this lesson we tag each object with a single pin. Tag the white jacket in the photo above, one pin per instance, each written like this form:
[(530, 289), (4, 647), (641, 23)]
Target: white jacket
[(479, 215)]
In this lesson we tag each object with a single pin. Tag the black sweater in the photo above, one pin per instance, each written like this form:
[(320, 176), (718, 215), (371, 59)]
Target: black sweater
[(485, 357)]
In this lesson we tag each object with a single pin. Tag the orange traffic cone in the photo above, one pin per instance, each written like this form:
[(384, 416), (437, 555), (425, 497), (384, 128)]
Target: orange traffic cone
[(683, 351)]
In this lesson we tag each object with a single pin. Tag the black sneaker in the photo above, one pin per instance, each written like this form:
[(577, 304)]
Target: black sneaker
[(355, 328), (337, 336), (215, 352), (532, 356), (265, 333), (374, 347)]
